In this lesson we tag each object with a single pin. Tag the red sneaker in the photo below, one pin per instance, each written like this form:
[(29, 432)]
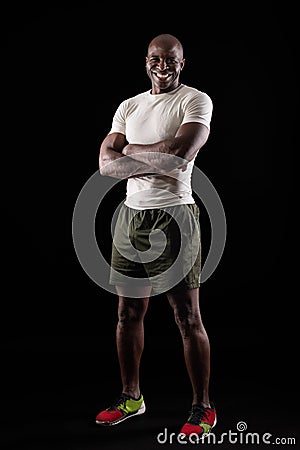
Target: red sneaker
[(122, 409), (200, 421)]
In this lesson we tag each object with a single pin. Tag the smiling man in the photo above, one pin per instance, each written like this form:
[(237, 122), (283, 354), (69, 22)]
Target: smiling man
[(164, 64), (153, 142)]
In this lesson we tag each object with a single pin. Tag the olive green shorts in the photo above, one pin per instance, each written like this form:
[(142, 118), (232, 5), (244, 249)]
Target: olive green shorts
[(157, 247)]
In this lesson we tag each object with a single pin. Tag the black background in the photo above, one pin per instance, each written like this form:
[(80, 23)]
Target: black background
[(64, 71)]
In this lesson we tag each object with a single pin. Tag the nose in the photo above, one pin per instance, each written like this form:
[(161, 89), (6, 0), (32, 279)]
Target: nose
[(162, 64)]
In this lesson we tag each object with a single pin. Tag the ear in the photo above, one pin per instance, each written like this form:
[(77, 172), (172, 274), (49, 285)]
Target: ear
[(182, 64)]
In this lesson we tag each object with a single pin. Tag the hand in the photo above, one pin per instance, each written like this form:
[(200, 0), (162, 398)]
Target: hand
[(184, 167), (125, 149)]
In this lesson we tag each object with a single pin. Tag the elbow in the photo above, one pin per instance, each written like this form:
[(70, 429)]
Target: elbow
[(103, 171), (182, 150), (184, 155), (102, 168), (187, 153)]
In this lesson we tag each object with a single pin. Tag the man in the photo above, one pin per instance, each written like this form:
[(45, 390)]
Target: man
[(153, 143)]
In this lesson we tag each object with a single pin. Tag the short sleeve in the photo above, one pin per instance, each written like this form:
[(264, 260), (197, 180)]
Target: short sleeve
[(199, 109), (118, 122)]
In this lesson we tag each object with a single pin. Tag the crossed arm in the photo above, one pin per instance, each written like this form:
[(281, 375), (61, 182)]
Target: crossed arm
[(153, 158)]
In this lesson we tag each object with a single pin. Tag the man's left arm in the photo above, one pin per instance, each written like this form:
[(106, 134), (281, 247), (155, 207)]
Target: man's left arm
[(188, 140)]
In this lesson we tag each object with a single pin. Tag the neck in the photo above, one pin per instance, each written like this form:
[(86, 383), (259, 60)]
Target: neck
[(155, 90)]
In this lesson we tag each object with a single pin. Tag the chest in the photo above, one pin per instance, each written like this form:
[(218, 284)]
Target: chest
[(152, 122)]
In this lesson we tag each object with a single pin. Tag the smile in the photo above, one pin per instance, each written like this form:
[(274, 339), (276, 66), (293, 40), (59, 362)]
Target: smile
[(162, 76)]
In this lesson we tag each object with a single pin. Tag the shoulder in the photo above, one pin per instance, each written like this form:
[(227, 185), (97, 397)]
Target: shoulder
[(191, 93), (138, 98)]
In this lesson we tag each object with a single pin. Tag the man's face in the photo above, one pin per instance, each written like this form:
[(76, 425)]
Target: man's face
[(164, 64)]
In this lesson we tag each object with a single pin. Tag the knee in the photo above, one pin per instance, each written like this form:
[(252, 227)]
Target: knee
[(130, 314), (187, 321)]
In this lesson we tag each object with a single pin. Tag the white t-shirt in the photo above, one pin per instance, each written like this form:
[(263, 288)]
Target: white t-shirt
[(146, 119)]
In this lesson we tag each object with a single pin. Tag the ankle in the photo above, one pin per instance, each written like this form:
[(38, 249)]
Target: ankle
[(133, 393), (201, 402)]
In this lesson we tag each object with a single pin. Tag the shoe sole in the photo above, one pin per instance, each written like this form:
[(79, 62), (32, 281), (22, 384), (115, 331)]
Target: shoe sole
[(115, 422)]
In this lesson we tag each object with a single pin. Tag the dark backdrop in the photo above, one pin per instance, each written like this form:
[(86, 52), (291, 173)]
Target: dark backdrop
[(64, 71)]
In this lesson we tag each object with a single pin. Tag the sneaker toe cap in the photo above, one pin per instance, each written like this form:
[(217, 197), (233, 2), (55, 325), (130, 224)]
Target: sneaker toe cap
[(108, 416), (189, 429)]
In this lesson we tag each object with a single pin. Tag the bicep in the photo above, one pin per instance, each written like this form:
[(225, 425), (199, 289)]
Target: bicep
[(111, 148), (113, 141), (190, 137)]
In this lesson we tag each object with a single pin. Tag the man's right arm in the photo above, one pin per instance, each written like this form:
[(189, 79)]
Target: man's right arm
[(114, 164)]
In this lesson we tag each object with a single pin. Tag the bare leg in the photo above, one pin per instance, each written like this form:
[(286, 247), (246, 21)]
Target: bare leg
[(185, 304), (130, 340)]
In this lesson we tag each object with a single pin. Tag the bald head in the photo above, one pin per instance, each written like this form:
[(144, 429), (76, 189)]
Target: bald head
[(166, 41), (164, 62)]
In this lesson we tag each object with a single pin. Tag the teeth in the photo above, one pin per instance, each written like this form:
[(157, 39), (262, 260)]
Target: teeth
[(160, 75)]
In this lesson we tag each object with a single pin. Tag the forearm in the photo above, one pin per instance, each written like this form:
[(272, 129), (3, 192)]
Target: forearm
[(116, 165), (171, 153), (161, 156), (165, 146)]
